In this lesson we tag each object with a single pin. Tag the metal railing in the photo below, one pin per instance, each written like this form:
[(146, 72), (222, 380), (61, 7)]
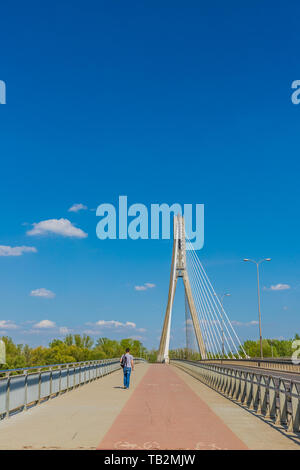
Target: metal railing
[(33, 385), (281, 363), (274, 398)]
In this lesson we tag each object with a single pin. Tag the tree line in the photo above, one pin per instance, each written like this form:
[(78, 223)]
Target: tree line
[(73, 348), (77, 348), (271, 348)]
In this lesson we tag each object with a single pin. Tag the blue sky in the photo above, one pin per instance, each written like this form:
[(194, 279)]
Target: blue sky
[(186, 102)]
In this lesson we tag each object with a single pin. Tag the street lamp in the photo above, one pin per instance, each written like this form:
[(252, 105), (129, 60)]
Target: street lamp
[(258, 295), (222, 297)]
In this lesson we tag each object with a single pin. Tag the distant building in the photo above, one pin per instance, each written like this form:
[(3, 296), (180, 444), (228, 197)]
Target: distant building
[(2, 352)]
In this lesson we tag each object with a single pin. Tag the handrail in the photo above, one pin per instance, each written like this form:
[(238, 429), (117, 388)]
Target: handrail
[(45, 366), (283, 364), (279, 360), (56, 365)]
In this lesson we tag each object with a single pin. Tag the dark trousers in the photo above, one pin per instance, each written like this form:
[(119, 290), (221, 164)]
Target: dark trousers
[(127, 372)]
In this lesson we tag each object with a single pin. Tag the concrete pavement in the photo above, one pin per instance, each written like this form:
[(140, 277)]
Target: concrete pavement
[(253, 431), (75, 420)]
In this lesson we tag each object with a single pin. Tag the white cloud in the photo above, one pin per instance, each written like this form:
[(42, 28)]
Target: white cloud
[(16, 250), (45, 324), (8, 325), (64, 330), (250, 323), (91, 332), (210, 322), (108, 323), (278, 287), (42, 292), (77, 208), (116, 324), (147, 285), (57, 226), (31, 332)]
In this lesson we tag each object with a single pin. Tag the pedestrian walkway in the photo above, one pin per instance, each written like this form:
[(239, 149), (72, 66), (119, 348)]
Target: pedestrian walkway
[(165, 408), (165, 413), (75, 420)]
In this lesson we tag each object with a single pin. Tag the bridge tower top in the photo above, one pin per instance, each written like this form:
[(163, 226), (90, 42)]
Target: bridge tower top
[(179, 270)]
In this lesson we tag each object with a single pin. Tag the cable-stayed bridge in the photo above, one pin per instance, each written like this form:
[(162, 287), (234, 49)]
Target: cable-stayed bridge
[(205, 314), (224, 400)]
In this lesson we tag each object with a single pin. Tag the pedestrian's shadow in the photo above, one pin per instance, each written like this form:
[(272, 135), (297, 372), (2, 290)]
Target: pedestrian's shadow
[(118, 387)]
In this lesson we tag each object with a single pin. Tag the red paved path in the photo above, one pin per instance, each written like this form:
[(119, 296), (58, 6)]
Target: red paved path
[(165, 413)]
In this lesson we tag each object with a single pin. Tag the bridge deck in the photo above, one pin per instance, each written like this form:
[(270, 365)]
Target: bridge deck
[(165, 413), (165, 408)]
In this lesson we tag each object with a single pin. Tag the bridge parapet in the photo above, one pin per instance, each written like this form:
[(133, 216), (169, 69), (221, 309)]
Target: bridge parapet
[(269, 396), (25, 387)]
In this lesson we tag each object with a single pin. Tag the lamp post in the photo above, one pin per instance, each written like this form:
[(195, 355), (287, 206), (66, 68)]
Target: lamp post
[(258, 295)]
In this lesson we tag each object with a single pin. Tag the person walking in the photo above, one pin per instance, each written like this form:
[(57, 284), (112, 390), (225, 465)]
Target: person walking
[(126, 362)]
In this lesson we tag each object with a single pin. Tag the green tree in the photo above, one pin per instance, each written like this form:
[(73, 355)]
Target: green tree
[(15, 357)]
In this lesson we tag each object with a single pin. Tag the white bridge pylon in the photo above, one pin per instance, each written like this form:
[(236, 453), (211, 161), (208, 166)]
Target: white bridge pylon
[(214, 333), (179, 269)]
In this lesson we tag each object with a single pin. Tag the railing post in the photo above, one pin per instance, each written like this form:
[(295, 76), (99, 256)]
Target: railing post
[(282, 412), (234, 383), (294, 424), (68, 377), (210, 377), (249, 390), (254, 399), (238, 389), (51, 382), (244, 378), (7, 396), (59, 382), (213, 377), (219, 378), (26, 389), (40, 385), (229, 388), (263, 396), (271, 413), (226, 382)]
